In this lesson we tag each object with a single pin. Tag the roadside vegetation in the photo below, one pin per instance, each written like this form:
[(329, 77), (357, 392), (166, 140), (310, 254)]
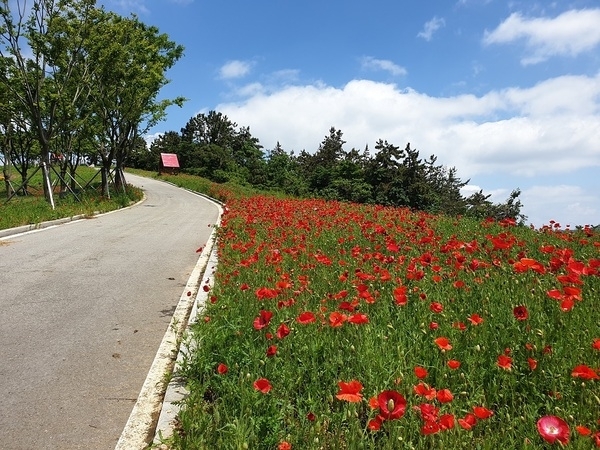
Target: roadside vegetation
[(33, 208)]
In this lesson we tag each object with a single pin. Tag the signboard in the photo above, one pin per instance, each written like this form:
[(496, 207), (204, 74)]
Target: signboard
[(169, 161)]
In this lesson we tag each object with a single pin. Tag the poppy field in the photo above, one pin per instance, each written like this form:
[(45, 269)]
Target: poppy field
[(342, 326)]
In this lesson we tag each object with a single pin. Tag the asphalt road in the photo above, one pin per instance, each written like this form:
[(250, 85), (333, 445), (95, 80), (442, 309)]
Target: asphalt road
[(83, 309)]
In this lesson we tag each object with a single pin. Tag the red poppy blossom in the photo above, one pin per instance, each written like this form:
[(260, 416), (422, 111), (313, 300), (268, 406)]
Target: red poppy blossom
[(475, 319), (504, 362), (453, 364), (436, 307), (284, 446), (444, 396), (430, 427), (468, 421), (532, 363), (596, 344), (585, 372), (375, 424), (520, 313), (429, 412), (350, 391), (262, 385), (282, 331), (420, 372), (262, 320), (424, 390), (447, 421), (400, 295), (583, 431), (306, 318), (337, 319), (222, 369), (552, 429), (482, 412), (358, 319), (392, 405), (272, 350), (443, 343)]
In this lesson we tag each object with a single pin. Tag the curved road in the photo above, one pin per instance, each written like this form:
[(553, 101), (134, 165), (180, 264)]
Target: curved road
[(83, 309)]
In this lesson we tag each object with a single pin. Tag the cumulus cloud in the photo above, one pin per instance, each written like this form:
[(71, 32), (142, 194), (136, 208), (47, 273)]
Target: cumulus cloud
[(235, 69), (549, 128), (370, 63), (569, 34), (431, 27)]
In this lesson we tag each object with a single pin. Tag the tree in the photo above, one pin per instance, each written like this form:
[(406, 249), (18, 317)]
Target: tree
[(42, 59), (128, 70)]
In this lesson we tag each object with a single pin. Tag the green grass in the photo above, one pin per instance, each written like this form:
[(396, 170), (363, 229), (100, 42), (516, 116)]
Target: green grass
[(34, 209)]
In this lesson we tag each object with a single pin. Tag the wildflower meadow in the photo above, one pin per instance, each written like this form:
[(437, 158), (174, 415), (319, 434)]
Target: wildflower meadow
[(334, 325)]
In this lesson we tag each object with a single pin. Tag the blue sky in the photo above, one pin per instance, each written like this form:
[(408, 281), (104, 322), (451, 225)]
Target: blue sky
[(508, 92)]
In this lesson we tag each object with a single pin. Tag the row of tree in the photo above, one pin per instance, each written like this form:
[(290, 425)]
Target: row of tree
[(212, 146), (77, 82)]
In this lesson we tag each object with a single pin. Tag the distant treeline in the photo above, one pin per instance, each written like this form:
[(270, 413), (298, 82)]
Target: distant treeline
[(212, 146)]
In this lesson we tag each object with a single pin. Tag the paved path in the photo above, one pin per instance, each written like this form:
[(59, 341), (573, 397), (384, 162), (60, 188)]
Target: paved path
[(83, 309)]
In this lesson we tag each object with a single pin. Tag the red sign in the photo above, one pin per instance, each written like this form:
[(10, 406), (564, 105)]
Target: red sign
[(169, 160)]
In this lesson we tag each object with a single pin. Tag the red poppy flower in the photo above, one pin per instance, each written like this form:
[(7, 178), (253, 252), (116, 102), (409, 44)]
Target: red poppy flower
[(311, 416), (585, 372), (375, 424), (358, 319), (336, 319), (553, 429), (596, 344), (282, 331), (262, 320), (350, 391), (284, 446), (430, 427), (532, 363), (391, 404), (520, 313), (482, 412), (424, 390), (420, 372), (504, 362), (453, 364), (436, 307), (429, 412), (222, 369), (444, 396), (447, 421), (468, 421), (475, 319), (443, 343), (306, 318), (272, 350), (263, 385), (583, 431), (433, 325), (400, 295), (459, 326)]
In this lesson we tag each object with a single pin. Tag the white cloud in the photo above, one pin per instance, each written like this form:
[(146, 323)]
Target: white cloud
[(569, 34), (571, 205), (431, 27), (370, 63), (235, 69), (546, 129)]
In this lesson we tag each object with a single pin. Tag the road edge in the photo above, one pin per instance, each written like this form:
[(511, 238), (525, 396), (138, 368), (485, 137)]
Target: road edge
[(143, 423)]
